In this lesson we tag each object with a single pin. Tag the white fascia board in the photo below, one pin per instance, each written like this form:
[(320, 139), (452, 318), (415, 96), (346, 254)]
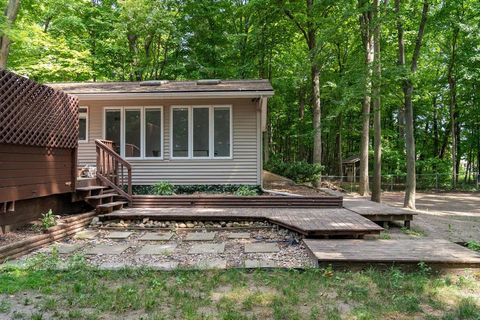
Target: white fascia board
[(171, 95)]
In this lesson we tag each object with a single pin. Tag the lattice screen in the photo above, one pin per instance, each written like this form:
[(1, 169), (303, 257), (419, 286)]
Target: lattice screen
[(36, 115)]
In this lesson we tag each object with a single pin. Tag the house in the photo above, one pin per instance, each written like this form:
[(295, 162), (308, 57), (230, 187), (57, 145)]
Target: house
[(184, 132)]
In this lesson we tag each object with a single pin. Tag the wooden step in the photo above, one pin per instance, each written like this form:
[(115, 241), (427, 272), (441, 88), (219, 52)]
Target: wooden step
[(91, 188), (111, 206), (101, 196)]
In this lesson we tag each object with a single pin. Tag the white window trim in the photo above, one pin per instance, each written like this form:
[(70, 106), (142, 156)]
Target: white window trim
[(84, 116), (211, 132), (142, 128)]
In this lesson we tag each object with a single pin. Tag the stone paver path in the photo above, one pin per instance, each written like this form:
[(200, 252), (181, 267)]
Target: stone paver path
[(207, 248), (211, 264), (251, 264), (86, 235), (261, 247), (107, 249), (238, 235), (157, 249), (200, 236), (156, 236), (118, 235), (68, 248)]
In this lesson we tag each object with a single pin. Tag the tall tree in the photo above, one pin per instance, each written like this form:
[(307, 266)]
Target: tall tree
[(366, 18), (11, 12), (407, 87), (377, 110)]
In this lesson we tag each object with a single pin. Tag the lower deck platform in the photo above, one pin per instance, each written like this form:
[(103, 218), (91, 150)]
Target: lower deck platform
[(306, 221), (402, 252), (378, 212)]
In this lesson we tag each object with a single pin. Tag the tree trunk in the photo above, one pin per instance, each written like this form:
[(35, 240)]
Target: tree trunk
[(377, 119), (11, 12), (339, 145), (317, 128), (411, 185), (367, 37), (452, 86), (407, 86)]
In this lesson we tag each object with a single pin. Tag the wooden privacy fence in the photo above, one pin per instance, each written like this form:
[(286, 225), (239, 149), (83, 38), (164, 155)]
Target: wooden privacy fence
[(38, 139)]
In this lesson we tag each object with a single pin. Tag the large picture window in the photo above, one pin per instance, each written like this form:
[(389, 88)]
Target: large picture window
[(136, 131), (201, 132)]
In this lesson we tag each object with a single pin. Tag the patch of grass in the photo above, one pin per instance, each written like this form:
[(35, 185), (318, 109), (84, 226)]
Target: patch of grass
[(473, 245), (413, 232), (83, 292), (467, 309), (5, 306), (385, 235)]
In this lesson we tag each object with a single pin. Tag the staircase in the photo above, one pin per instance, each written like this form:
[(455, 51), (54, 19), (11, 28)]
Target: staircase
[(103, 199), (114, 176)]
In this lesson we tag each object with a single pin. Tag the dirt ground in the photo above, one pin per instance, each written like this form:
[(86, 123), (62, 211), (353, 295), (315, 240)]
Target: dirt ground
[(451, 215)]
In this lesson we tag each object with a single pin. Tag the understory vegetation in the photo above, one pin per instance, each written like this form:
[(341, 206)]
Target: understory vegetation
[(81, 292), (298, 171)]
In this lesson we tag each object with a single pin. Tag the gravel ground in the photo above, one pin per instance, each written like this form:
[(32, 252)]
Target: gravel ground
[(292, 254)]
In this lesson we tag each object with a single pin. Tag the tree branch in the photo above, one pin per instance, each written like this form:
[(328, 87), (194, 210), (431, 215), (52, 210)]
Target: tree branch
[(421, 31)]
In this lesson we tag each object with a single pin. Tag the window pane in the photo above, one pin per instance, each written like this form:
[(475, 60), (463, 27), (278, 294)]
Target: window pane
[(82, 128), (112, 128), (201, 126), (221, 141), (153, 133), (180, 132), (132, 133)]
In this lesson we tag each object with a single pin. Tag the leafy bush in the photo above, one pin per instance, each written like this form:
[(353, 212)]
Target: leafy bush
[(246, 191), (190, 189), (48, 220), (299, 171), (163, 188)]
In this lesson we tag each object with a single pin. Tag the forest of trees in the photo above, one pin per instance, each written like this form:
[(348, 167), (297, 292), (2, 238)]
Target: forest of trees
[(394, 82)]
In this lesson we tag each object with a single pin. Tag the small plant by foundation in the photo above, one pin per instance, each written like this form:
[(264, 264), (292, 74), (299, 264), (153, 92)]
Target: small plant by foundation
[(48, 220), (163, 188), (243, 191)]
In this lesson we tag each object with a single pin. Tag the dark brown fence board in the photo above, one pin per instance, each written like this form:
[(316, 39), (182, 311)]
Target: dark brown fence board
[(38, 139)]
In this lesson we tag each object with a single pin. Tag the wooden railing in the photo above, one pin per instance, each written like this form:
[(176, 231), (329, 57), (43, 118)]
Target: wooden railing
[(112, 169)]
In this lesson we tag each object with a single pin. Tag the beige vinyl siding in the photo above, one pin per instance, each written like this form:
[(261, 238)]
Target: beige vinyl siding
[(86, 150), (242, 169)]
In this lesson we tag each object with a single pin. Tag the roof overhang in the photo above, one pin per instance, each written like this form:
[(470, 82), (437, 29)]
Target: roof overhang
[(170, 95)]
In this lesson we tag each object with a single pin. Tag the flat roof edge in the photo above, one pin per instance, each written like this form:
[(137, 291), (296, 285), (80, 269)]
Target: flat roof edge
[(171, 95)]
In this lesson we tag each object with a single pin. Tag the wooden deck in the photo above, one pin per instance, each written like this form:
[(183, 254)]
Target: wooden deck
[(410, 251), (309, 222), (215, 201), (378, 212)]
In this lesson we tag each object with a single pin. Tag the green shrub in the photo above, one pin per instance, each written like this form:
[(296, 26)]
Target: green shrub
[(299, 171), (190, 189), (246, 191), (473, 245), (163, 188), (48, 220)]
